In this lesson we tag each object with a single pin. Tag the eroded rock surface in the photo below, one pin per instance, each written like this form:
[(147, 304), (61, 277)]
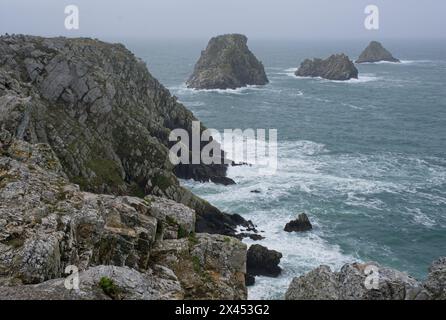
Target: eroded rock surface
[(368, 281), (47, 224)]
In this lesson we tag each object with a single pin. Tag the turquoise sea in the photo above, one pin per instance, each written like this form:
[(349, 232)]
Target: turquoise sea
[(365, 159)]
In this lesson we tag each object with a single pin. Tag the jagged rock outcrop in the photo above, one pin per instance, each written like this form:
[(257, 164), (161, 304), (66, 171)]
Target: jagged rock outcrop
[(47, 224), (368, 281), (227, 63), (436, 280), (301, 224), (123, 284), (219, 262), (263, 262), (375, 52), (104, 115), (336, 67)]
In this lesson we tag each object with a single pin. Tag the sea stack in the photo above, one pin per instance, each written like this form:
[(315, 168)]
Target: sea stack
[(227, 63), (336, 67), (375, 52)]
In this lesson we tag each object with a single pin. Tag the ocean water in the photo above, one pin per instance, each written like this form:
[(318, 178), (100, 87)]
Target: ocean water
[(365, 159)]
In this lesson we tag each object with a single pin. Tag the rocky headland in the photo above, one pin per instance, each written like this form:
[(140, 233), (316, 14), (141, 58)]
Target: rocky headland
[(85, 180), (106, 118), (375, 52), (227, 63), (336, 67)]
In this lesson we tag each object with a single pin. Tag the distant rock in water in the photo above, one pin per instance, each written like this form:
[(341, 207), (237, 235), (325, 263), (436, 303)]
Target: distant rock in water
[(336, 67), (375, 52), (227, 63), (301, 224)]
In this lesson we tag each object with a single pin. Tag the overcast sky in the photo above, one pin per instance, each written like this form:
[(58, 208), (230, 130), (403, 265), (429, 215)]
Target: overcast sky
[(292, 19)]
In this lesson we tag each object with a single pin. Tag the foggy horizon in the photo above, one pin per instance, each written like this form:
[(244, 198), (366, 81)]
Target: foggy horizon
[(200, 19)]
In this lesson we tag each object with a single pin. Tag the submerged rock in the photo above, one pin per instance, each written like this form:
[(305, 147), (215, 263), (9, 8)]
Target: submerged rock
[(301, 224), (375, 52), (336, 67), (227, 63), (263, 262), (368, 281)]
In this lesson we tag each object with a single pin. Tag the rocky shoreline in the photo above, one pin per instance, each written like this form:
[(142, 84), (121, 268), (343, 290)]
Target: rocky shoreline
[(85, 182)]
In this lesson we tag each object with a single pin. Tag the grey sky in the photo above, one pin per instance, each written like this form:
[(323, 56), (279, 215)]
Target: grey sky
[(294, 19)]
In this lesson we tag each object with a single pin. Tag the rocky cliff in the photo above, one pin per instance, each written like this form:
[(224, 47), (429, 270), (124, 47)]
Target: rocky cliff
[(124, 247), (106, 118), (227, 63), (375, 52), (336, 67), (382, 284)]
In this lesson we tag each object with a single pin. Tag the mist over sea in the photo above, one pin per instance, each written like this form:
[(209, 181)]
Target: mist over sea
[(365, 159)]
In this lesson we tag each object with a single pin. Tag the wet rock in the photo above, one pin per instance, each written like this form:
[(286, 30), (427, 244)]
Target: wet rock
[(301, 224), (227, 63), (336, 67), (263, 262), (375, 52)]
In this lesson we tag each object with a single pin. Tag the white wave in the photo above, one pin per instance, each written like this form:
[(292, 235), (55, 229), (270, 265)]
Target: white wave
[(183, 89), (362, 78), (351, 106), (402, 62), (301, 254), (421, 218)]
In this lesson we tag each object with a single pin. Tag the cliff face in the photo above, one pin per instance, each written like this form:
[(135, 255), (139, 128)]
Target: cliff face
[(47, 224), (227, 63), (375, 52), (336, 67), (104, 115)]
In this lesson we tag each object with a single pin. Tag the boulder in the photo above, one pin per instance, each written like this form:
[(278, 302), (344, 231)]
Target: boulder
[(375, 52), (227, 63), (336, 67), (301, 224), (263, 262), (355, 281)]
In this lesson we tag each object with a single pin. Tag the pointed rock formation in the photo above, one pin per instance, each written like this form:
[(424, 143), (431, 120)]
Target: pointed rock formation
[(227, 63), (336, 67), (375, 52)]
